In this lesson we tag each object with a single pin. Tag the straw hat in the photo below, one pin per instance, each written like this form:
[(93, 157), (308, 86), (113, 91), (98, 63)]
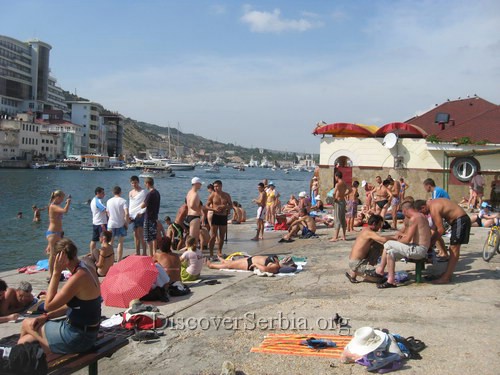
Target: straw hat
[(366, 340)]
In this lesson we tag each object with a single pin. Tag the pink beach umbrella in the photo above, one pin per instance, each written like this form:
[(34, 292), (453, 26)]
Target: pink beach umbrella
[(127, 280)]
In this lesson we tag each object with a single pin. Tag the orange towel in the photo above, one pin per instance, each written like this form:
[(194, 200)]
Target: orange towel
[(285, 343)]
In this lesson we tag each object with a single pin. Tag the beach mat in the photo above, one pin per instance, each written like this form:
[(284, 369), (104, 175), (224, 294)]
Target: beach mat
[(290, 344)]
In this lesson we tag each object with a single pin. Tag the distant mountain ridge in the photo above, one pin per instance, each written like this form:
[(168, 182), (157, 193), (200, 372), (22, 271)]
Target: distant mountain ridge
[(140, 136)]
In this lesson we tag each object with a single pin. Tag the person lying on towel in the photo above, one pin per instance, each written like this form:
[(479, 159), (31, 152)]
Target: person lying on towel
[(269, 263)]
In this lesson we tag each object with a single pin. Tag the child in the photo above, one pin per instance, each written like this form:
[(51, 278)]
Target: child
[(105, 256), (192, 261)]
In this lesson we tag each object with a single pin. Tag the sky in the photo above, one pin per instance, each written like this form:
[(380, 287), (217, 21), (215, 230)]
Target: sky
[(263, 73)]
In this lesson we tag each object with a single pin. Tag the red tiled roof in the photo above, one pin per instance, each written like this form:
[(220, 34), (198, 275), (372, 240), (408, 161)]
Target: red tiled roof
[(475, 118)]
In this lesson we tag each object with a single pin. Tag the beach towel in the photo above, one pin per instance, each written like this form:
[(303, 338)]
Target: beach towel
[(299, 261), (292, 344)]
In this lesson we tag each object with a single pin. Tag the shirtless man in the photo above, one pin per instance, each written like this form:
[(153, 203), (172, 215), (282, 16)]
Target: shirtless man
[(368, 193), (305, 223), (237, 214), (339, 204), (382, 196), (264, 263), (36, 213), (136, 196), (195, 208), (13, 301), (261, 211), (365, 252), (176, 231), (413, 244), (460, 222), (395, 188), (220, 203)]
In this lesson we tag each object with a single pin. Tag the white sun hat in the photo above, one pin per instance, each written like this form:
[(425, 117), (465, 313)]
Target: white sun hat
[(366, 340)]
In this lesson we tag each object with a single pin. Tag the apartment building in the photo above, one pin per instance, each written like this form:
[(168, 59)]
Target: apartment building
[(113, 123), (88, 116), (25, 80)]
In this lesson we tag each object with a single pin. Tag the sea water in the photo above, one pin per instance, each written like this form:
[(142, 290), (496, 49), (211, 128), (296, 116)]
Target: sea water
[(23, 242)]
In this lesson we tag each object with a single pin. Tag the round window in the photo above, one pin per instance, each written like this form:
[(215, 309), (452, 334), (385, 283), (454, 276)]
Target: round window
[(464, 168)]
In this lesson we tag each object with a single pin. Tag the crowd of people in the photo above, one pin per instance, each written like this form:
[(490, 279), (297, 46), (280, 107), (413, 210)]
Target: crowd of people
[(176, 245)]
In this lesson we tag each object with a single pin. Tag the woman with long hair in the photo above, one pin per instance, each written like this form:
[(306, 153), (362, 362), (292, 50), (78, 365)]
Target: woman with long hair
[(55, 231), (80, 298)]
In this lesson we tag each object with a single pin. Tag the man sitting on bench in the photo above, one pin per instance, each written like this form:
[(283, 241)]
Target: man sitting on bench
[(365, 252), (413, 244), (81, 293)]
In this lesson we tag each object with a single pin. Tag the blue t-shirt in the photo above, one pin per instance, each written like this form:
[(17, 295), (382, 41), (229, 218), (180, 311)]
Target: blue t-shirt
[(440, 193)]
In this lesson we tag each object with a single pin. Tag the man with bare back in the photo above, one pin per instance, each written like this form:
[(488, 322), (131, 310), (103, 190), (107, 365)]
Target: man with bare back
[(413, 244), (460, 222), (365, 252), (261, 202), (339, 204), (220, 203), (176, 231), (195, 208)]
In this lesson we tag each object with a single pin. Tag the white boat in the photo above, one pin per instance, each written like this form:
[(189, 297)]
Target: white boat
[(179, 166), (213, 169), (158, 172), (40, 166)]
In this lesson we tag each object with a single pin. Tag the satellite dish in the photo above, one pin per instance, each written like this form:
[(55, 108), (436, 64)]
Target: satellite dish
[(390, 140)]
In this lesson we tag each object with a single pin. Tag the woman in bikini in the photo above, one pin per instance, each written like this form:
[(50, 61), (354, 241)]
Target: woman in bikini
[(55, 231), (105, 256), (269, 263), (80, 298)]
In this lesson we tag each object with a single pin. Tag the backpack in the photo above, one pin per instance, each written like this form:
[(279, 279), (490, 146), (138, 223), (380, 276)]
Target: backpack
[(142, 320)]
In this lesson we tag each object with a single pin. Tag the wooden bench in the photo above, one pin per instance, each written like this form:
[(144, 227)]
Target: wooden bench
[(106, 346)]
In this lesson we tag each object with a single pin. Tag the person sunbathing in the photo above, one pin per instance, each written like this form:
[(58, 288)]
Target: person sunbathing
[(264, 263), (485, 218), (292, 205), (13, 301)]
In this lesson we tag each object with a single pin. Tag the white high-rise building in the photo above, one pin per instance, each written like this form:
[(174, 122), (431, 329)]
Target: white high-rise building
[(88, 115)]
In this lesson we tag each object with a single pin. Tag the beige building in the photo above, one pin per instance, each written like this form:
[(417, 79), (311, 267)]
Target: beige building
[(449, 144)]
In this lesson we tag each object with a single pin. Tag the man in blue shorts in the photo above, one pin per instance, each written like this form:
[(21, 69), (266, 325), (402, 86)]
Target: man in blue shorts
[(152, 205), (99, 217)]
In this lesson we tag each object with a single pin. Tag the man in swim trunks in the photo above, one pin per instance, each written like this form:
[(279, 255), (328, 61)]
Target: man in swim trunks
[(305, 223), (365, 252), (460, 222), (13, 301), (220, 203), (382, 196), (339, 204), (195, 208), (152, 205), (261, 211), (413, 244), (176, 231), (352, 206)]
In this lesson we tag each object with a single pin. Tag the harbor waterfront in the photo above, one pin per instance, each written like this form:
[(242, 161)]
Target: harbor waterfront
[(23, 241)]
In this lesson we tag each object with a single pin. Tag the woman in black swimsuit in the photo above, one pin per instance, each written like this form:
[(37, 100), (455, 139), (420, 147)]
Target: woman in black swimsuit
[(264, 263)]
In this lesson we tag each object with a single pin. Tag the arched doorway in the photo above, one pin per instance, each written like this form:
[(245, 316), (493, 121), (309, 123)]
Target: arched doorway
[(344, 165)]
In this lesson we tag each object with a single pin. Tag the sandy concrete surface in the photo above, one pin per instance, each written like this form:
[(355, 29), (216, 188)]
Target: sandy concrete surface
[(459, 322)]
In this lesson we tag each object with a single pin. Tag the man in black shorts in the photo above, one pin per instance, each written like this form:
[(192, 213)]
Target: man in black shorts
[(152, 205), (454, 215), (220, 203)]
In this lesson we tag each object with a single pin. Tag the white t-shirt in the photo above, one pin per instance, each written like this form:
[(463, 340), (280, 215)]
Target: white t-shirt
[(135, 203), (116, 209), (98, 212), (195, 259)]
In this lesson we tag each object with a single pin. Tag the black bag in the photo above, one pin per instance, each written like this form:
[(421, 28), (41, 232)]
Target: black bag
[(25, 359)]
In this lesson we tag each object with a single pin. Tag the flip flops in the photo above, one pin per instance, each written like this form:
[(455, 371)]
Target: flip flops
[(386, 285), (351, 279), (382, 361), (318, 343), (373, 273)]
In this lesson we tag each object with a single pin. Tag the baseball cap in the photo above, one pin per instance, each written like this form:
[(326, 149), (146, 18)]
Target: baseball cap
[(485, 204), (196, 180), (363, 183), (302, 194)]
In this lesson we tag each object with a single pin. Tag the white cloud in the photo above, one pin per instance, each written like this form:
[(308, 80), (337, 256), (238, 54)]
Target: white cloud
[(218, 9), (273, 22)]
